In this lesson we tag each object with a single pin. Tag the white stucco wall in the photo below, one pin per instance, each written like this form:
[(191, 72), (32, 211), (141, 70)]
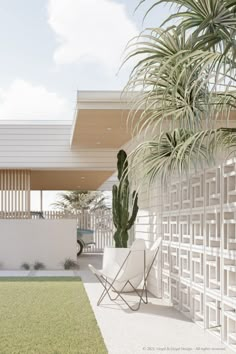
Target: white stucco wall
[(46, 241)]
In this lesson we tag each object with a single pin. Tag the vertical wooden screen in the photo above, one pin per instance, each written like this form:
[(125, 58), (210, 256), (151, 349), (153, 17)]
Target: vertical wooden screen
[(15, 193)]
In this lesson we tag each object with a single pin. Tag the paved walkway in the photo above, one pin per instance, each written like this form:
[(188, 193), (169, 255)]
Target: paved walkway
[(156, 327), (38, 273)]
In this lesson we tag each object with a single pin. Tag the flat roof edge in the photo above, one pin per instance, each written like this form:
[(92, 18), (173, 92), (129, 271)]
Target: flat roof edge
[(100, 100), (35, 122), (105, 96)]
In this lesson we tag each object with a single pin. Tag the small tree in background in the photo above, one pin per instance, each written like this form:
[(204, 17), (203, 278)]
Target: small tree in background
[(73, 201)]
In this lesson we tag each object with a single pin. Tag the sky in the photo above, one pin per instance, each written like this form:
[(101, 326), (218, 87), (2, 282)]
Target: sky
[(52, 48)]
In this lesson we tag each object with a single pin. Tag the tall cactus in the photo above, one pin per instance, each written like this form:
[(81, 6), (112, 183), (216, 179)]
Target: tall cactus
[(123, 218)]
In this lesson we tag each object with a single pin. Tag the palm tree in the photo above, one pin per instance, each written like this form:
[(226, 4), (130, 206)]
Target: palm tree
[(73, 201), (186, 79)]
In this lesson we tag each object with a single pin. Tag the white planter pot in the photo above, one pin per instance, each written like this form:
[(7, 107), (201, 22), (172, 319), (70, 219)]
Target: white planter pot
[(113, 258)]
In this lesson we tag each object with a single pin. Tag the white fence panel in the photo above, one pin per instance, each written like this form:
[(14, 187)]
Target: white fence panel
[(100, 221)]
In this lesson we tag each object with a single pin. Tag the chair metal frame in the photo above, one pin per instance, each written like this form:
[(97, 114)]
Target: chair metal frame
[(109, 285)]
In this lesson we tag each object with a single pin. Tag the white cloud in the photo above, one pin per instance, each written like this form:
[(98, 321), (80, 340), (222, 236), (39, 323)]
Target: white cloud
[(22, 100), (90, 30)]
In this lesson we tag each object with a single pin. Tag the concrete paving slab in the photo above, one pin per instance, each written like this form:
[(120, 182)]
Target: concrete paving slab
[(156, 327), (54, 273), (39, 273), (14, 273)]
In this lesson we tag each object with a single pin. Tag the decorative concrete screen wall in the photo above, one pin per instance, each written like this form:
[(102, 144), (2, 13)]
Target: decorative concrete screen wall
[(199, 249), (46, 241), (197, 221)]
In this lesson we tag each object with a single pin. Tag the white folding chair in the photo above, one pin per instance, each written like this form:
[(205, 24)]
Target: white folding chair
[(131, 271)]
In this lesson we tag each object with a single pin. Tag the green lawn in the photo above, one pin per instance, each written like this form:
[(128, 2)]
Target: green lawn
[(47, 316)]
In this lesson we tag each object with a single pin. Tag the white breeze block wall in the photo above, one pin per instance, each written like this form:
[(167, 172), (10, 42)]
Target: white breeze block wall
[(198, 218), (46, 241)]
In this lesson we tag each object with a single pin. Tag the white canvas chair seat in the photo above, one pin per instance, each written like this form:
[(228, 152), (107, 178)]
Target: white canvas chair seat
[(128, 271)]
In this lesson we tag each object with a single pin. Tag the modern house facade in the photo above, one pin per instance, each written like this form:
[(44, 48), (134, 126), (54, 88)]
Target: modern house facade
[(196, 217), (49, 155)]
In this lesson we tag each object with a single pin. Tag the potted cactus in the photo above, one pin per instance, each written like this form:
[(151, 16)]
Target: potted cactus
[(124, 215), (124, 209)]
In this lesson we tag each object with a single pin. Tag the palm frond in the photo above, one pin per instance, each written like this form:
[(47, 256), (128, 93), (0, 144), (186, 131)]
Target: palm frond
[(186, 78), (202, 17), (179, 152), (178, 83), (172, 151)]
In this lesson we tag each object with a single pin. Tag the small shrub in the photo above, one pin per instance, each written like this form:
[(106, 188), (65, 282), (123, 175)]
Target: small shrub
[(70, 264), (39, 265), (25, 266)]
